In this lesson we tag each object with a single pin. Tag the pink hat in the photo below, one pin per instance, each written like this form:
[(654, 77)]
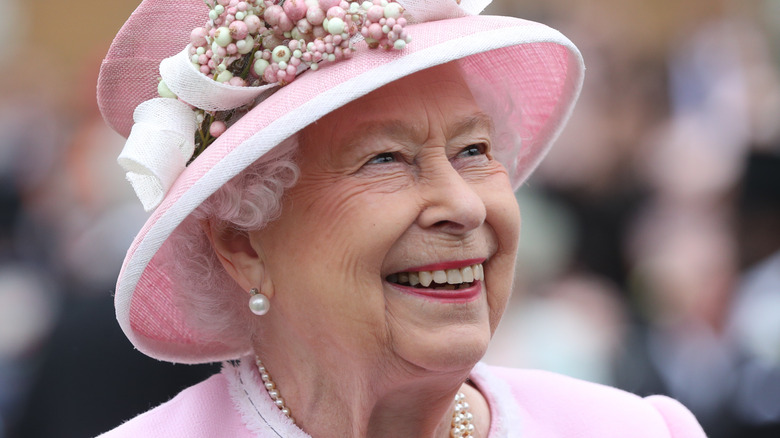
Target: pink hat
[(540, 69)]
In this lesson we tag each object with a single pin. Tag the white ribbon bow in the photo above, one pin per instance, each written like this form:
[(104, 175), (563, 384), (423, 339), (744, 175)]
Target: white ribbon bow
[(200, 91), (162, 139), (420, 11), (157, 150)]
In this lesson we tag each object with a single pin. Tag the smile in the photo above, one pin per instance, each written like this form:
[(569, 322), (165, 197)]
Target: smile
[(443, 279)]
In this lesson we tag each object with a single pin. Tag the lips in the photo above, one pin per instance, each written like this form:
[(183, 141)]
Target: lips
[(444, 279)]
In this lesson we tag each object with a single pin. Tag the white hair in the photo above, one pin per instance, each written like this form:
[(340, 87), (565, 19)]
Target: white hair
[(215, 304)]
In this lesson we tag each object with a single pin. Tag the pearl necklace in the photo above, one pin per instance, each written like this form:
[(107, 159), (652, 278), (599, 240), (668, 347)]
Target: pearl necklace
[(461, 417), (270, 386)]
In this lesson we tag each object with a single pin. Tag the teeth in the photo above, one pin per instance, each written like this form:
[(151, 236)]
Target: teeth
[(454, 276), (447, 278), (425, 278), (468, 274)]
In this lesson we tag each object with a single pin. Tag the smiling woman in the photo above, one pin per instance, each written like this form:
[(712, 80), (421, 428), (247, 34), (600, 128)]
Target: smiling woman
[(351, 221), (349, 230)]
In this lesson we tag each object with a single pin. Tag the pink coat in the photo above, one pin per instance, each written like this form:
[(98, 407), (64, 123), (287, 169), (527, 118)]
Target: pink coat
[(523, 403)]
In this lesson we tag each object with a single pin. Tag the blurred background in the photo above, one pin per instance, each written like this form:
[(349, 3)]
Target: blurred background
[(650, 252)]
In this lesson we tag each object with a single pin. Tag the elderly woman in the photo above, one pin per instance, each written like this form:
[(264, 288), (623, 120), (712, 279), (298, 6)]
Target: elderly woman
[(332, 186)]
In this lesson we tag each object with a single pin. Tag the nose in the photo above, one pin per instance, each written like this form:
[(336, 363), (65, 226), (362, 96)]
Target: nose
[(451, 203)]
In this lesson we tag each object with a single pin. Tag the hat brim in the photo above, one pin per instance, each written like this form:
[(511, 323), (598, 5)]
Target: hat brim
[(540, 69)]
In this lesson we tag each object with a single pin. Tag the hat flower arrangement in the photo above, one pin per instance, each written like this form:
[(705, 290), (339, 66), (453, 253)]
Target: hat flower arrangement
[(254, 43), (251, 44)]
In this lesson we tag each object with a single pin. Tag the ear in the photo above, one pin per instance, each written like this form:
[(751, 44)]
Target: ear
[(243, 262)]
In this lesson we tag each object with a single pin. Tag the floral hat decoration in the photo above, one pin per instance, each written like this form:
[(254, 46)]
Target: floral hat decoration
[(204, 88)]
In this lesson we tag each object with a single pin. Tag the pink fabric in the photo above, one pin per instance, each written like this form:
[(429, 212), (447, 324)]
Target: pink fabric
[(523, 403), (678, 419), (155, 31), (552, 405), (203, 410)]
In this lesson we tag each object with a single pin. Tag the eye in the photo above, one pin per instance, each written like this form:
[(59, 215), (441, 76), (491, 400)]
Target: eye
[(473, 150), (383, 158)]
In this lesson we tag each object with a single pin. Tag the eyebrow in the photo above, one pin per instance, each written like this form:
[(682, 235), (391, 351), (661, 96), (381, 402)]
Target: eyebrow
[(399, 130), (476, 121)]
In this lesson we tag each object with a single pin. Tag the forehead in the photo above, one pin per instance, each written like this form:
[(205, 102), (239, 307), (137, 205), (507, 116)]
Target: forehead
[(436, 95), (441, 84)]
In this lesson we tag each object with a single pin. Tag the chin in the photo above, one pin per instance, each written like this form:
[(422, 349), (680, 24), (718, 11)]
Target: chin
[(440, 333), (452, 349)]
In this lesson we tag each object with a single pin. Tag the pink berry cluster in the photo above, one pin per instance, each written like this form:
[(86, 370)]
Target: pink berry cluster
[(258, 42), (384, 25), (255, 42)]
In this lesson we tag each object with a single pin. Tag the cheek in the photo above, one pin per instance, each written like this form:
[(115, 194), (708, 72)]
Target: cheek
[(502, 210), (503, 216), (331, 260), (342, 230)]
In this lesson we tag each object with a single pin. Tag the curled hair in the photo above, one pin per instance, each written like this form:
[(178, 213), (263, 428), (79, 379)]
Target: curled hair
[(214, 303)]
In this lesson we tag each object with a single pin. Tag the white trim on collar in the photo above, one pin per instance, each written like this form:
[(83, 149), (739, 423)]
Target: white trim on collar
[(263, 419)]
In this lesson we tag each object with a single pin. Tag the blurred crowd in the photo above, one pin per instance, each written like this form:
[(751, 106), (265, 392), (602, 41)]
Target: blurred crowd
[(650, 250), (650, 254)]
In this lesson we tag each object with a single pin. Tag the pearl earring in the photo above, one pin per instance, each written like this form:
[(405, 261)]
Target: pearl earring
[(258, 303)]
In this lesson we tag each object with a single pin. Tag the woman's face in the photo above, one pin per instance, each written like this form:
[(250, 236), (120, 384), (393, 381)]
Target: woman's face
[(396, 188)]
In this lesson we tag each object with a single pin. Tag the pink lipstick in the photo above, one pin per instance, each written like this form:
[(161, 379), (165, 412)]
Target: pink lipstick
[(463, 295)]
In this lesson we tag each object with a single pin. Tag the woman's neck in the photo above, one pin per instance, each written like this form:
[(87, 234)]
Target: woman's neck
[(350, 398)]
